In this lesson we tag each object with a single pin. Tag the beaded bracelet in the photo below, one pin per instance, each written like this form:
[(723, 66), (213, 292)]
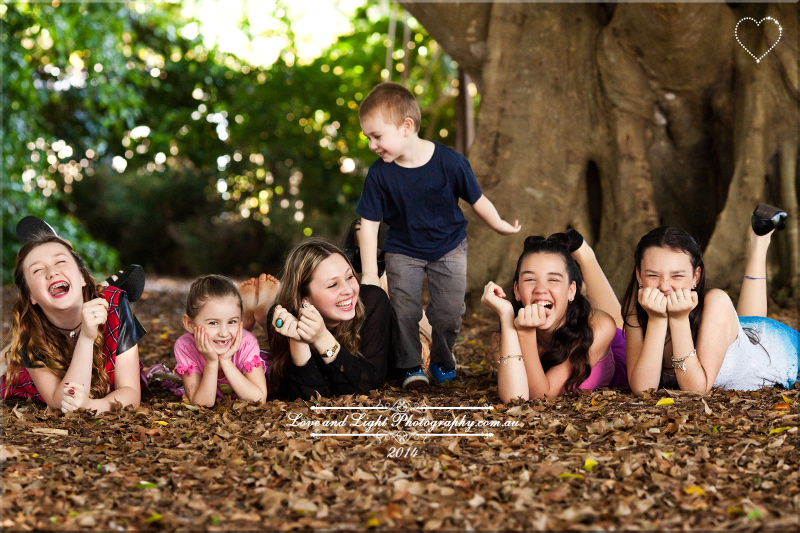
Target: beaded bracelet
[(505, 358), (681, 363)]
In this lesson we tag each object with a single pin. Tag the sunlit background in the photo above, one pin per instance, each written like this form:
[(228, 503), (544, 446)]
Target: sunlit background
[(316, 26), (206, 136)]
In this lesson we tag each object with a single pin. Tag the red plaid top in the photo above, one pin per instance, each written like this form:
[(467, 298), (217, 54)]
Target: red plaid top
[(24, 387)]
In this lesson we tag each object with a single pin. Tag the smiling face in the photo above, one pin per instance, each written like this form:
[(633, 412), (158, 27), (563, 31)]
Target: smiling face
[(387, 140), (53, 277), (543, 280), (333, 290), (667, 269), (220, 317)]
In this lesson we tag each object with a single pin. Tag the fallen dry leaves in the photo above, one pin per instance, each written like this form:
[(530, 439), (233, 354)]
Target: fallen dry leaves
[(593, 460)]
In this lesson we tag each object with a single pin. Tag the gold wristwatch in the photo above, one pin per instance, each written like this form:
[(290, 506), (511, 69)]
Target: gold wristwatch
[(330, 352)]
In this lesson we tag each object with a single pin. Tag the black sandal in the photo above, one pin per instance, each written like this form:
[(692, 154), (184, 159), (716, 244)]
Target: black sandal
[(350, 248), (767, 218), (131, 280), (353, 252), (31, 228)]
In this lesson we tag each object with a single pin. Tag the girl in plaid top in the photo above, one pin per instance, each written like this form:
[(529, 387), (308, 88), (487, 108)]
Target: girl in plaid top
[(73, 343)]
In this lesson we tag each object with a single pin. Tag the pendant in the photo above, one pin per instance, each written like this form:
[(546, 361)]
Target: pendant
[(72, 334)]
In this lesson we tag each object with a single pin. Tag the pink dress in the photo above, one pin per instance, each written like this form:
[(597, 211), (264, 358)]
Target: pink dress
[(611, 370), (190, 361)]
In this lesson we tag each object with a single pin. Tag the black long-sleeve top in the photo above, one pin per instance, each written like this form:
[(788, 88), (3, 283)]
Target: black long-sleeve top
[(348, 373)]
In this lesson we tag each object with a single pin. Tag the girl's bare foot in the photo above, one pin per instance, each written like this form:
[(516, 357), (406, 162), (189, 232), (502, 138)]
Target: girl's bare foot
[(268, 287), (249, 292)]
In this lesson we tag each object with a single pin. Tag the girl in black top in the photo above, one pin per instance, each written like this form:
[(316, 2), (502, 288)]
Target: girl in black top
[(327, 334)]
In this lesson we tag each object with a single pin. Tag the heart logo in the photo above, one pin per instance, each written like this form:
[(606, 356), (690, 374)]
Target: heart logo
[(758, 23)]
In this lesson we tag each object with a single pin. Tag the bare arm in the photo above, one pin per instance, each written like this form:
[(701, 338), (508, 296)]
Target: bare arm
[(512, 382), (250, 386), (368, 243), (201, 389), (485, 209), (49, 386), (719, 326), (75, 395), (94, 313), (127, 384), (553, 382), (645, 351)]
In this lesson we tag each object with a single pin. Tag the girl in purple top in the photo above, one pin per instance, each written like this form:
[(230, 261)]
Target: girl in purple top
[(217, 355), (552, 339)]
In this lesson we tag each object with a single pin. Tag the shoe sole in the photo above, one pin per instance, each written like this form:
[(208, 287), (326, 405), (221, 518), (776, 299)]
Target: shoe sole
[(417, 383), (131, 280), (763, 219), (31, 227)]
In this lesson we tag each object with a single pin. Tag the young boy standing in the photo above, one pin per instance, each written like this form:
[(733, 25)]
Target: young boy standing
[(414, 188)]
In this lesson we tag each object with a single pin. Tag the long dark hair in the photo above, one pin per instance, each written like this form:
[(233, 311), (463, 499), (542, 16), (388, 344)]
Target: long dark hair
[(572, 340), (679, 241)]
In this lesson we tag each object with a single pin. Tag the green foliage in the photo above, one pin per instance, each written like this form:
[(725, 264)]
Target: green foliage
[(185, 159), (36, 110), (99, 258)]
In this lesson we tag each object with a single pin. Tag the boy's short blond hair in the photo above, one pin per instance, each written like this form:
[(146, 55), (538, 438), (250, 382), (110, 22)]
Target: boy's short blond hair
[(395, 101)]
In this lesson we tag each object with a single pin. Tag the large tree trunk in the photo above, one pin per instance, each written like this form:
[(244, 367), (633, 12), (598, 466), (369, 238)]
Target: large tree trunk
[(615, 119), (766, 117)]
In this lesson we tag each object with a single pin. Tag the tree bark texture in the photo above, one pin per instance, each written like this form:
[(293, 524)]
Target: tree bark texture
[(615, 119)]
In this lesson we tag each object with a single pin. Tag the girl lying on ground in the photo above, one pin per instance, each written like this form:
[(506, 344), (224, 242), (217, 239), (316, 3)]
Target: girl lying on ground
[(551, 338), (680, 336), (327, 334), (217, 355), (73, 342)]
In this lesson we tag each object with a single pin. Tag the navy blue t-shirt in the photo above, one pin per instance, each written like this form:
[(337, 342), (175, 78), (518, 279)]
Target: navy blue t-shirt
[(420, 205)]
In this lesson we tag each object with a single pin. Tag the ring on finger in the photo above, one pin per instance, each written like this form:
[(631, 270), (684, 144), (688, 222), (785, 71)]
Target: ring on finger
[(279, 323)]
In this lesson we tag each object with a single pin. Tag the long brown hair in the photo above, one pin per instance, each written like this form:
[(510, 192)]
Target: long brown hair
[(301, 263), (42, 342)]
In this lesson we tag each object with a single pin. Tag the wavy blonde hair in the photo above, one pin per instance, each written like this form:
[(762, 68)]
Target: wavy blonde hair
[(32, 332), (301, 263)]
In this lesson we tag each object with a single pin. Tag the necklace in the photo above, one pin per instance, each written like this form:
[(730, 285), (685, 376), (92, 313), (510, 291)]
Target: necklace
[(72, 332)]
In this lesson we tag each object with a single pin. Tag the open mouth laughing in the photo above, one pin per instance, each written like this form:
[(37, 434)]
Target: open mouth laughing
[(544, 303), (59, 289), (345, 305)]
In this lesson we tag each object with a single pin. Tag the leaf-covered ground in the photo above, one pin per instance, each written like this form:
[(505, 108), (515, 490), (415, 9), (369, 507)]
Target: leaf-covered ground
[(596, 460)]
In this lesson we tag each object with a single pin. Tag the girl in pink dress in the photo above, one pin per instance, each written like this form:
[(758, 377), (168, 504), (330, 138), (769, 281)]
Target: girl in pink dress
[(217, 355)]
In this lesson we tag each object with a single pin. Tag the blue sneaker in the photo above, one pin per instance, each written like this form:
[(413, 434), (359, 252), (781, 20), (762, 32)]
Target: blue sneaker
[(441, 374), (415, 379)]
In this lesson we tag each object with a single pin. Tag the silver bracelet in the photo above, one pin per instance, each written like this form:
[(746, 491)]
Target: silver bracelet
[(681, 363), (505, 359)]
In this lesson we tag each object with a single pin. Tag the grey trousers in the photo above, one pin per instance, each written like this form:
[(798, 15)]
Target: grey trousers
[(447, 284)]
